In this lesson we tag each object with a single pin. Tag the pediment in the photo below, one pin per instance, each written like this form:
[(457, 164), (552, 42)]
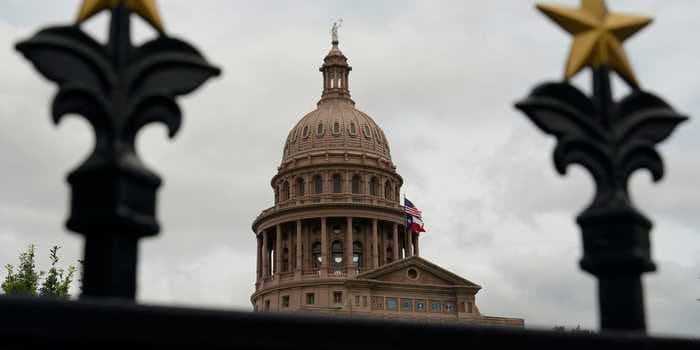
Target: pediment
[(416, 270)]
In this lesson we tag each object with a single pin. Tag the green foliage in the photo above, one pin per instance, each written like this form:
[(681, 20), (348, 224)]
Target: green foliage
[(56, 284), (27, 281)]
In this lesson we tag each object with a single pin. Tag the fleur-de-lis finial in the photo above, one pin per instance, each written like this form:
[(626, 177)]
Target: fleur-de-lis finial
[(119, 88), (611, 139)]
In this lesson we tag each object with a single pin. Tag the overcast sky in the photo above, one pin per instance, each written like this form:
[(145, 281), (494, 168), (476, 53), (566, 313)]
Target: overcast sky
[(440, 77)]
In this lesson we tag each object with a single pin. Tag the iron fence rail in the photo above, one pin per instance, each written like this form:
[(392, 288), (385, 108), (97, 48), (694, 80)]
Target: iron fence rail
[(43, 323)]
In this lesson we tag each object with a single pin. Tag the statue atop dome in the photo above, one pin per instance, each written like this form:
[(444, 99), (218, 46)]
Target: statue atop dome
[(334, 30)]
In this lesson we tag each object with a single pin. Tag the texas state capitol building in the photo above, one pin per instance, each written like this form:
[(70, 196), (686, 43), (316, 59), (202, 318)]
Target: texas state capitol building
[(334, 242)]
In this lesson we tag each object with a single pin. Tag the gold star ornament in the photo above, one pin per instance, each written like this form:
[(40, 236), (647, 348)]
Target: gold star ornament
[(147, 9), (598, 36)]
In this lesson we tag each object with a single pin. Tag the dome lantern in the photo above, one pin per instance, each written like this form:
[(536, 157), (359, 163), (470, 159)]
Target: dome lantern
[(336, 73)]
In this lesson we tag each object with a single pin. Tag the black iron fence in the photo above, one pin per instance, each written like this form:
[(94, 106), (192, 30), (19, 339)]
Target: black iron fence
[(120, 88), (46, 323)]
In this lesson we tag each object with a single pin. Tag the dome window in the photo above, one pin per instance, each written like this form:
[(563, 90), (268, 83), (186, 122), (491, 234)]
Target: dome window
[(357, 255), (320, 130), (337, 256), (316, 257), (366, 132), (336, 128), (318, 184), (356, 184), (300, 187), (305, 132), (337, 183), (379, 136), (285, 191), (374, 186), (293, 136), (352, 129)]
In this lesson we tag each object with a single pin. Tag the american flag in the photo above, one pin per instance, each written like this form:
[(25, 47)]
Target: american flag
[(414, 217)]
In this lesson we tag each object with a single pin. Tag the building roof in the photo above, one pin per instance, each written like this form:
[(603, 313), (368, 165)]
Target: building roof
[(336, 124), (428, 274)]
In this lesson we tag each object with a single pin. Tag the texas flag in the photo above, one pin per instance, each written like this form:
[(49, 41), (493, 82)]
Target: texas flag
[(414, 217)]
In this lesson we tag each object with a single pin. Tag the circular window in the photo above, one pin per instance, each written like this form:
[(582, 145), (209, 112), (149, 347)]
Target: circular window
[(305, 132), (412, 273)]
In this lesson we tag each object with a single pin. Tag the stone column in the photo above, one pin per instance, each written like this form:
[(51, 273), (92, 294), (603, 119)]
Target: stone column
[(396, 242), (349, 269), (375, 245), (290, 257), (278, 252), (415, 248), (265, 257), (410, 243), (299, 249), (258, 267), (367, 251), (324, 248)]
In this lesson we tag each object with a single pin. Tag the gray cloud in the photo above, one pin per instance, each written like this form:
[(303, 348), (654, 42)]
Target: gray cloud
[(439, 77)]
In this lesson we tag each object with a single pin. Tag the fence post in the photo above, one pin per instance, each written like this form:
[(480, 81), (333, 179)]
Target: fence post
[(118, 88), (611, 140)]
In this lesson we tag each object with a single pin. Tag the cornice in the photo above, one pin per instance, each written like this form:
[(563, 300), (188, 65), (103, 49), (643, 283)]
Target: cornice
[(298, 284), (315, 210)]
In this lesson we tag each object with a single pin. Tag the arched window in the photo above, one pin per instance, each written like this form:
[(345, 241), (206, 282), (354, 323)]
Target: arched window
[(285, 191), (300, 187), (318, 184), (356, 184), (336, 128), (337, 256), (353, 129), (285, 260), (374, 186), (366, 132), (387, 190), (337, 183), (316, 257), (357, 255)]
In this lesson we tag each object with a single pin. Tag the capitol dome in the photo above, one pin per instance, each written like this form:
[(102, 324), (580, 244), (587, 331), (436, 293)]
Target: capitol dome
[(336, 124)]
